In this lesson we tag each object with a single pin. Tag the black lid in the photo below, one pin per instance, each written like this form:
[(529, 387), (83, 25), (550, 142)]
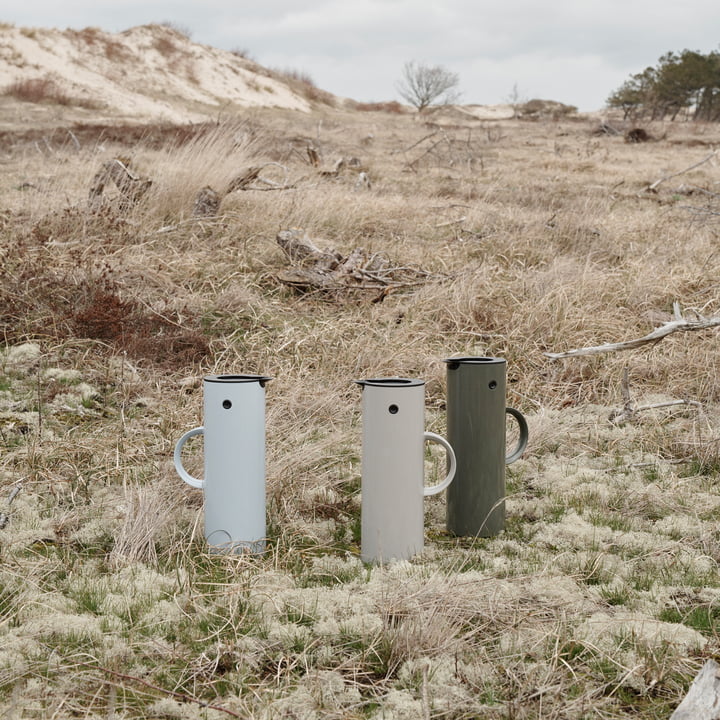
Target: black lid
[(391, 382)]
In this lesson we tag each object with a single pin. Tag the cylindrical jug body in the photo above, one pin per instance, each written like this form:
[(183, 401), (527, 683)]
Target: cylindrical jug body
[(234, 462), (393, 437), (476, 429)]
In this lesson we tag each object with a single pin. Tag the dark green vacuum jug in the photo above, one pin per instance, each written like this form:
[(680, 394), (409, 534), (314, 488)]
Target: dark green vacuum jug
[(476, 431)]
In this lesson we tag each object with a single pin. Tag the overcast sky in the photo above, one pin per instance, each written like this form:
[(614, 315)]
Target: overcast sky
[(573, 51)]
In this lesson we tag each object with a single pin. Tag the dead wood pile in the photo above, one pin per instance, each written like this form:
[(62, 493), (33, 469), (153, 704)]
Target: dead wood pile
[(327, 270)]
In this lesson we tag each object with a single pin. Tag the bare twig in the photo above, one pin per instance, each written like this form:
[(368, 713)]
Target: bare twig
[(679, 324), (76, 142), (415, 144), (414, 162), (627, 413), (654, 185)]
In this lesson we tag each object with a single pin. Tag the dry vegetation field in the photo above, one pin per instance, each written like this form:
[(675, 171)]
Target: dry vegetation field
[(602, 597)]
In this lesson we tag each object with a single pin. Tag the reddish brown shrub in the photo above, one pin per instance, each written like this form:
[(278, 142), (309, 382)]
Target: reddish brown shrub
[(39, 90), (390, 107), (43, 297)]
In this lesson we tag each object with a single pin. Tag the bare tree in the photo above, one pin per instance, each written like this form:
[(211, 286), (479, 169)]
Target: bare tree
[(423, 85)]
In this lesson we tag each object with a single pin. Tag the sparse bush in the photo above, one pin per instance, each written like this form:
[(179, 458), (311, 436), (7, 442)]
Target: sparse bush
[(44, 298), (178, 28), (544, 109), (165, 46), (90, 35), (389, 107), (37, 90), (44, 90), (423, 85), (301, 82), (243, 53)]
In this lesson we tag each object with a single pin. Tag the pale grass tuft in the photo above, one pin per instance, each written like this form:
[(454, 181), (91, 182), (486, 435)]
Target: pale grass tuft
[(148, 510), (179, 174)]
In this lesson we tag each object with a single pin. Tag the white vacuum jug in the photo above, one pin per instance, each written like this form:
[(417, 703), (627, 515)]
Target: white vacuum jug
[(393, 468), (234, 462)]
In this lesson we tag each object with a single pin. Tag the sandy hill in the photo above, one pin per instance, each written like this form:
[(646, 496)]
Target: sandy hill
[(157, 74), (146, 73)]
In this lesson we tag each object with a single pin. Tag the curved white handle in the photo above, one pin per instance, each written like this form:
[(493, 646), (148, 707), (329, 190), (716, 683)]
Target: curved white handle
[(435, 489), (182, 472)]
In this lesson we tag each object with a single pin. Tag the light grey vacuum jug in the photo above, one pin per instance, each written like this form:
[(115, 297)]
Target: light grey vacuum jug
[(476, 429), (393, 468), (234, 462)]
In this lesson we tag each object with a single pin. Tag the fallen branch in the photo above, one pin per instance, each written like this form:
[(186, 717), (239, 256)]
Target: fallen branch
[(679, 324), (630, 409), (653, 186), (649, 464), (415, 144), (248, 179), (702, 701)]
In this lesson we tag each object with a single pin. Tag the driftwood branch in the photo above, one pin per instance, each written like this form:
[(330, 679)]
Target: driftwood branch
[(653, 186), (250, 178), (702, 701), (630, 409), (679, 324)]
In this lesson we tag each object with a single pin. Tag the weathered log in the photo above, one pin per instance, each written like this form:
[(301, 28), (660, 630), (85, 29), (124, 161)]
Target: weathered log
[(301, 250), (702, 701), (251, 179), (243, 180), (132, 187), (606, 129), (363, 181), (207, 203), (313, 156)]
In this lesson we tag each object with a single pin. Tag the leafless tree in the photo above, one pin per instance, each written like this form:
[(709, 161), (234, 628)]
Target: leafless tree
[(423, 85)]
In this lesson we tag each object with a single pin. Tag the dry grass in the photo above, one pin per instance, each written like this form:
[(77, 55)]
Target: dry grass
[(601, 597)]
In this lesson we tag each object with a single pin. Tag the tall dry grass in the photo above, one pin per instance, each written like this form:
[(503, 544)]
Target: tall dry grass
[(600, 598)]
